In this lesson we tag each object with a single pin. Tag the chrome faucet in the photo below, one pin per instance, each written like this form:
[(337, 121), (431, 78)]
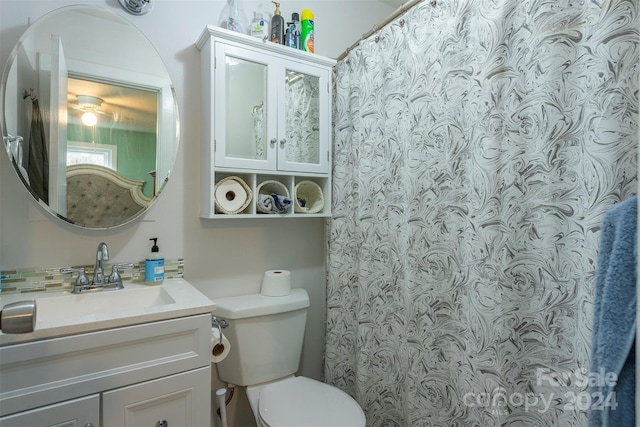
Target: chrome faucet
[(114, 280), (101, 255)]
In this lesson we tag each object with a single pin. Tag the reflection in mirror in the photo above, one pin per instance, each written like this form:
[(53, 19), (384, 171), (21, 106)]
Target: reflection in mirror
[(90, 117), (246, 94), (302, 117), (114, 123), (246, 101)]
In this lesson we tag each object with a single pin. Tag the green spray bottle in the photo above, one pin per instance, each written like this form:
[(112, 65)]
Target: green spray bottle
[(306, 35)]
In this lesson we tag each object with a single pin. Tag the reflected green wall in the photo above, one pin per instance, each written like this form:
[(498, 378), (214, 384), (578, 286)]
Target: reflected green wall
[(136, 150)]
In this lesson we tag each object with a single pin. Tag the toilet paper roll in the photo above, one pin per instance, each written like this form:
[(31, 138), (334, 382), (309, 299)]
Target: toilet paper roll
[(276, 283), (219, 351), (232, 195)]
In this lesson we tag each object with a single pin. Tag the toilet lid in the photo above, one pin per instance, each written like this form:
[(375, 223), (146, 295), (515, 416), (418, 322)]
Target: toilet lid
[(305, 402)]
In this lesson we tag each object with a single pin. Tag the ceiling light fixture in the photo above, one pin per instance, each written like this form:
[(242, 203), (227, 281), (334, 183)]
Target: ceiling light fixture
[(89, 118), (89, 105)]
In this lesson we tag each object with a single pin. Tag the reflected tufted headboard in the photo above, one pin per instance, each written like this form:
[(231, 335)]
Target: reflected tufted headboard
[(100, 197)]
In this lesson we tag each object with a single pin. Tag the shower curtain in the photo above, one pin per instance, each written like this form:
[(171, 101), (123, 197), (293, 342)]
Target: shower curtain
[(477, 146)]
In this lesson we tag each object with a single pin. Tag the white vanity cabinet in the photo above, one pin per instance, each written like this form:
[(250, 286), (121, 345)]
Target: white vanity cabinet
[(151, 374), (83, 412), (176, 400), (266, 115)]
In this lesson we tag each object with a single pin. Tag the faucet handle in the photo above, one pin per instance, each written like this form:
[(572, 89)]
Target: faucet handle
[(115, 277), (81, 280)]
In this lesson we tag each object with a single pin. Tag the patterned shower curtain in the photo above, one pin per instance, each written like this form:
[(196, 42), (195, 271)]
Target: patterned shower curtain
[(477, 146)]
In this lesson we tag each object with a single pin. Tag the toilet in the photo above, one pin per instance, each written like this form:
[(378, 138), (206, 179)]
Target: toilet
[(266, 335)]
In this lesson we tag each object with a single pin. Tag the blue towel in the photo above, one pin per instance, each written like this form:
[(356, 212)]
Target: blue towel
[(273, 203), (282, 203), (614, 320)]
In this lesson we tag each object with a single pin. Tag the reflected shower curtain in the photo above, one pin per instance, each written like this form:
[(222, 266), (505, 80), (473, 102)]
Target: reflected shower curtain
[(477, 145)]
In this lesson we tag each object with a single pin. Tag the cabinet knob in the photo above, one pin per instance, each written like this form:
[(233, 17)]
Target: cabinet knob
[(88, 425), (162, 423), (273, 141), (283, 141)]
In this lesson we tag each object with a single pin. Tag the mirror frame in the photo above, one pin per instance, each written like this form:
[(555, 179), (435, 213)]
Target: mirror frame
[(168, 118)]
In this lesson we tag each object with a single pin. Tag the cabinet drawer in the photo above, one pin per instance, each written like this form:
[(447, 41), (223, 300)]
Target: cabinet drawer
[(43, 372), (178, 400), (74, 413)]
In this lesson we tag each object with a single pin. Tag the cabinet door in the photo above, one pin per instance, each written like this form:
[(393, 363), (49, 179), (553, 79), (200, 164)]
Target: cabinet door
[(244, 109), (303, 118), (181, 400), (83, 412)]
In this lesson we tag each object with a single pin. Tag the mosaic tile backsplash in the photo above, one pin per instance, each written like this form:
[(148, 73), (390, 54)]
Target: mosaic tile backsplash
[(50, 279)]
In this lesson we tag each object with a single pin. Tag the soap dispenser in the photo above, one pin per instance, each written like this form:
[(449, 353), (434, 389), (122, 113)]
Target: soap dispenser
[(277, 25), (154, 265), (260, 27)]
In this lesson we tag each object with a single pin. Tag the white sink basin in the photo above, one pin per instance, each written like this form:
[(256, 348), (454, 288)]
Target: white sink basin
[(64, 313), (99, 302)]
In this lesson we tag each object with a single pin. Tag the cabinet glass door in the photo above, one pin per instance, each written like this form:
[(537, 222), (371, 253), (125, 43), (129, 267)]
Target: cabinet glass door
[(241, 118), (304, 120)]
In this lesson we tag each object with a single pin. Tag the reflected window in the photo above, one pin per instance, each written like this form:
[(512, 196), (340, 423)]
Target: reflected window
[(95, 154)]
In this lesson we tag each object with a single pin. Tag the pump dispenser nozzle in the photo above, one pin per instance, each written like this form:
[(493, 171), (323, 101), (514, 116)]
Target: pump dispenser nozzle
[(277, 12)]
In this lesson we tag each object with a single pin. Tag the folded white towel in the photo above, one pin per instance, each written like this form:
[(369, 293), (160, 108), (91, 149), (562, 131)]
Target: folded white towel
[(265, 204)]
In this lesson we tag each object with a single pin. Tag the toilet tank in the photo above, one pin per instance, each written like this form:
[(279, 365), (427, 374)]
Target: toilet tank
[(265, 334)]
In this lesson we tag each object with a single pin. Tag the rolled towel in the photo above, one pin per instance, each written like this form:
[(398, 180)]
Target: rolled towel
[(282, 203), (265, 203)]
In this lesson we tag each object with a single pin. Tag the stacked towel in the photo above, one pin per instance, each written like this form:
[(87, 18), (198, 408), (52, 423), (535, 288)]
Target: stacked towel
[(614, 320), (272, 203)]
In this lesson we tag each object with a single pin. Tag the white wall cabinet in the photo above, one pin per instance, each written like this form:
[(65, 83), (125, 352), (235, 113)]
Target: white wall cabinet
[(145, 374), (266, 116)]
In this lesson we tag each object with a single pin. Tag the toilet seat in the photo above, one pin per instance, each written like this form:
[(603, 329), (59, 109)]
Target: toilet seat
[(301, 401)]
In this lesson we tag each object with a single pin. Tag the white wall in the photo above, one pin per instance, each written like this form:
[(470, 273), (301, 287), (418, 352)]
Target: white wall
[(222, 257)]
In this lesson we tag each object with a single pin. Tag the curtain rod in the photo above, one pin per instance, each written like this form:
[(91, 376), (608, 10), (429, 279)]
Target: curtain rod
[(402, 9)]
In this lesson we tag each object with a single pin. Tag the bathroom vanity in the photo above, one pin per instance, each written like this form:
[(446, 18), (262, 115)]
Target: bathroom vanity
[(137, 356)]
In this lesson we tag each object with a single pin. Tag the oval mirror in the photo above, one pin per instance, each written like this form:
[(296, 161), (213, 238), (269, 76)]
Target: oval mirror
[(90, 116)]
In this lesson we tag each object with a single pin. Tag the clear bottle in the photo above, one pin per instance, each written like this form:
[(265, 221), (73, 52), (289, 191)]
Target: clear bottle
[(233, 17), (154, 265), (260, 27)]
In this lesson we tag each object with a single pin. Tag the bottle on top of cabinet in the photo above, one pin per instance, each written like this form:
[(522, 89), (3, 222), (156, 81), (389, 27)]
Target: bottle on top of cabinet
[(294, 27), (277, 25), (260, 27), (307, 35)]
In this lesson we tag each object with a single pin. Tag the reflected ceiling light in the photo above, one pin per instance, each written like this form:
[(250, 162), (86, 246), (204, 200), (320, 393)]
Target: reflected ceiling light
[(89, 118), (89, 104)]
